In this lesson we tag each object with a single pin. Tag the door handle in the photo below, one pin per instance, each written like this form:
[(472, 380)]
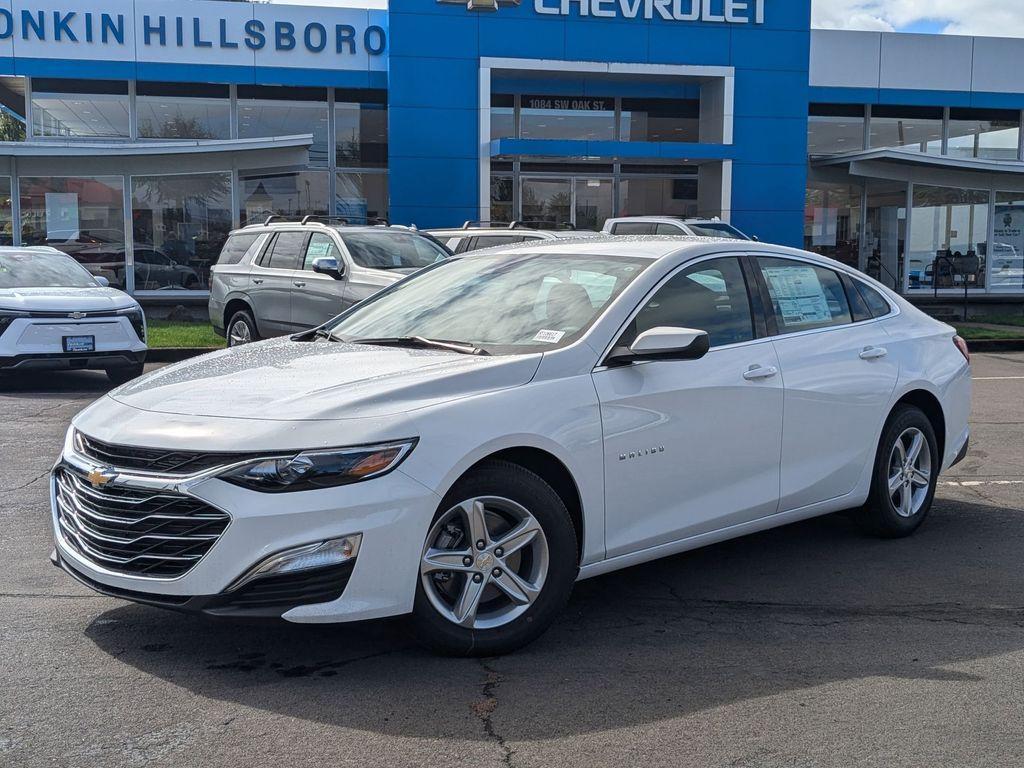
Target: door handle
[(299, 285), (756, 373), (258, 280), (873, 353)]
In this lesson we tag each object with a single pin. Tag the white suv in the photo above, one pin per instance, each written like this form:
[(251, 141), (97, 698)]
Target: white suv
[(54, 314), (672, 225)]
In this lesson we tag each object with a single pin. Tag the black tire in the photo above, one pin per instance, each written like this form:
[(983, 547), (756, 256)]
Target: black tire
[(513, 482), (242, 316), (879, 516), (119, 376)]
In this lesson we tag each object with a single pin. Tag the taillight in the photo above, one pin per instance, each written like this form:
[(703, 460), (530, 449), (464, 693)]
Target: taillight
[(962, 346)]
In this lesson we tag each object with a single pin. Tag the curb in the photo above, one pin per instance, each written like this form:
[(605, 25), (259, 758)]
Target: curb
[(996, 345), (176, 354)]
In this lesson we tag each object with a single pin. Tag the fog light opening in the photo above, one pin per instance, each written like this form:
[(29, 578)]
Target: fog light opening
[(305, 558)]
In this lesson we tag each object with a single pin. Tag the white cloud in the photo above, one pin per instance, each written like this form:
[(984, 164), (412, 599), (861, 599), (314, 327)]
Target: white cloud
[(1001, 18)]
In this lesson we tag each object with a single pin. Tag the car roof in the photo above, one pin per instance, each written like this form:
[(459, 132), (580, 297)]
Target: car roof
[(15, 249), (653, 247), (670, 219), (317, 226)]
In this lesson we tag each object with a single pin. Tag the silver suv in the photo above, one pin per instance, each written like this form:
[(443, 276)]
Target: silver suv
[(474, 235), (282, 277), (673, 225)]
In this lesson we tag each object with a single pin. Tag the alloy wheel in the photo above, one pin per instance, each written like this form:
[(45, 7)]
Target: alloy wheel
[(910, 472), (239, 333), (484, 563)]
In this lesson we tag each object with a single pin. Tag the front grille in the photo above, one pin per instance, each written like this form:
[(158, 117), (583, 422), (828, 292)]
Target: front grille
[(156, 460), (134, 531)]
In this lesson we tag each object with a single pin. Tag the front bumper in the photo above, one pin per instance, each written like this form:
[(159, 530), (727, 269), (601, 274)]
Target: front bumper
[(392, 513), (66, 361), (37, 343)]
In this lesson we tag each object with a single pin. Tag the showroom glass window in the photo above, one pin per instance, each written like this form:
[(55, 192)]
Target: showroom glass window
[(503, 116), (502, 193), (916, 128), (1006, 256), (360, 129), (361, 198), (79, 108), (660, 120), (832, 221), (295, 195), (183, 111), (835, 128), (657, 196), (949, 238), (179, 225), (992, 134), (265, 110), (82, 216), (582, 118), (6, 217)]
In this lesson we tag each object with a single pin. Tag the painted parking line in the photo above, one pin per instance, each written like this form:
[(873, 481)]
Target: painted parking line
[(973, 483), (998, 378)]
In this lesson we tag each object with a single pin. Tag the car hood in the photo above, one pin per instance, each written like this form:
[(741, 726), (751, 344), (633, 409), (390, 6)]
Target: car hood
[(285, 380), (64, 299)]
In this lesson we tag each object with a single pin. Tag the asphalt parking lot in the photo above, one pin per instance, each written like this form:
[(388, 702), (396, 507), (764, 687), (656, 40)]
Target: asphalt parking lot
[(805, 646)]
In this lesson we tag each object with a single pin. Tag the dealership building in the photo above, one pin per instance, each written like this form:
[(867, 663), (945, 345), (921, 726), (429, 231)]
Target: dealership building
[(136, 134)]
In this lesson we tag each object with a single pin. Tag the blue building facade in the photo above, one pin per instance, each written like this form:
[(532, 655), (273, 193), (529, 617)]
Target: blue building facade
[(137, 133)]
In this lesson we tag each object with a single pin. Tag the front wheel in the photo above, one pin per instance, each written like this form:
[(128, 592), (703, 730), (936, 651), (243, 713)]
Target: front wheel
[(905, 478), (498, 564)]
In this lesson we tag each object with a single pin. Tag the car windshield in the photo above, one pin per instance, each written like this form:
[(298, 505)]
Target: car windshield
[(42, 270), (716, 229), (501, 303), (392, 250)]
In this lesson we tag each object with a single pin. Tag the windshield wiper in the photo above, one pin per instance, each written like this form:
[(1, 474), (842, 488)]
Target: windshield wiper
[(323, 333), (419, 341)]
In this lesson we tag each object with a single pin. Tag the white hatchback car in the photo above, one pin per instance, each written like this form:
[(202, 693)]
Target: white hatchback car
[(468, 443), (54, 314)]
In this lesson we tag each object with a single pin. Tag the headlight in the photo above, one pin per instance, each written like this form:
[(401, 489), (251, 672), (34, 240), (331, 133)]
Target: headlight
[(311, 470), (8, 316), (137, 319)]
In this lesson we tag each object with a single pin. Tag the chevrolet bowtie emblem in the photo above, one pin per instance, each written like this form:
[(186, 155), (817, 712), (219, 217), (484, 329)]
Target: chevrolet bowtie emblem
[(481, 5), (77, 315), (100, 477)]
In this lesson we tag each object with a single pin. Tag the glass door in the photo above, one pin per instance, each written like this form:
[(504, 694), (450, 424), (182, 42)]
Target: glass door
[(592, 203), (547, 201)]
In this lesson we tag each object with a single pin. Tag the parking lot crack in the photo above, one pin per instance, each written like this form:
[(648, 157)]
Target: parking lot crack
[(23, 486), (485, 709)]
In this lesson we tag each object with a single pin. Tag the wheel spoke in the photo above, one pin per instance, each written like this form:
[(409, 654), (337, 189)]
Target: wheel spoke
[(907, 501), (476, 519), (519, 536), (469, 602), (901, 452), (921, 478), (447, 560), (895, 483), (916, 444), (517, 588)]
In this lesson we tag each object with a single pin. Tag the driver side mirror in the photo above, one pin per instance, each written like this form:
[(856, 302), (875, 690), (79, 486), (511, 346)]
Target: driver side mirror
[(663, 343), (102, 282), (328, 265)]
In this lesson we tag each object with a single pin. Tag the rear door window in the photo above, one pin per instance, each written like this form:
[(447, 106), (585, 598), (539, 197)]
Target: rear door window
[(804, 296), (668, 229), (858, 306), (236, 247), (285, 251)]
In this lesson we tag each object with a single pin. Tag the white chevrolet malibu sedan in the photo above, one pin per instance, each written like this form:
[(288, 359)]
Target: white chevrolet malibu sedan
[(468, 443)]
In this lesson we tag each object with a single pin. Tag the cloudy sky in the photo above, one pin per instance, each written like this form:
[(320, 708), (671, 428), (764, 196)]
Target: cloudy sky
[(1004, 18)]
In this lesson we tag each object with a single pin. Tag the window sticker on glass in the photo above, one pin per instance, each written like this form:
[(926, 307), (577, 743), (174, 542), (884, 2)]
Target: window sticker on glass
[(799, 294), (549, 337), (318, 250)]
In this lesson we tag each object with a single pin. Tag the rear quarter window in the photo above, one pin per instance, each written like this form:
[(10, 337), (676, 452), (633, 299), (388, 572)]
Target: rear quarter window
[(236, 248), (877, 303), (632, 228)]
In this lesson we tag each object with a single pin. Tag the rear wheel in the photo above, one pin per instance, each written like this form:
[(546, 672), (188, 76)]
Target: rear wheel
[(498, 564), (905, 478), (242, 329)]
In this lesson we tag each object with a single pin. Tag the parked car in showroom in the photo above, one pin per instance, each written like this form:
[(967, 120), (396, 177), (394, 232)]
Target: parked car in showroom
[(468, 443), (476, 235), (673, 225), (282, 276), (54, 314)]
